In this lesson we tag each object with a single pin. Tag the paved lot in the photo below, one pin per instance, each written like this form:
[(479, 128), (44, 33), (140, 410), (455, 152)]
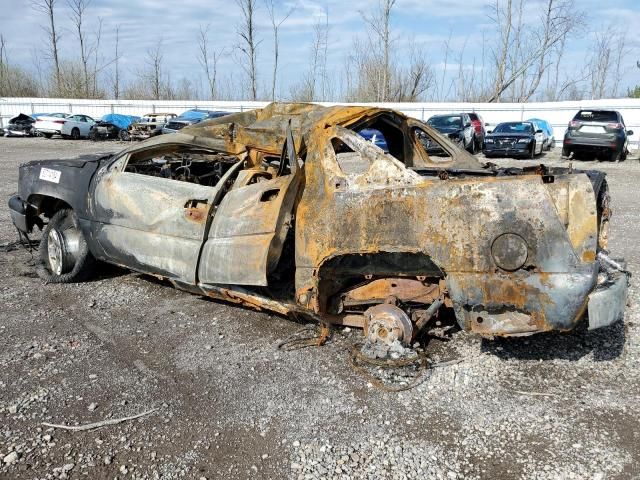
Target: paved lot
[(230, 405)]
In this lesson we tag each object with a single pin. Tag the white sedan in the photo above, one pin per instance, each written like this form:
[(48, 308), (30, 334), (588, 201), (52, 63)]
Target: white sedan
[(73, 126)]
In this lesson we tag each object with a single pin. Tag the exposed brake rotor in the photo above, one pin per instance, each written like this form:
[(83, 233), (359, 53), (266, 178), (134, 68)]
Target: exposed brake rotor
[(387, 323)]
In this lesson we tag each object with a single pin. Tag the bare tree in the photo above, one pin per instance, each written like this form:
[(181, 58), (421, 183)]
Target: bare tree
[(520, 50), (600, 64), (96, 51), (276, 23), (47, 7), (503, 18), (78, 7), (326, 83), (557, 22), (306, 90), (116, 61), (606, 63), (622, 51), (410, 85), (154, 72), (208, 60), (379, 23), (14, 82), (4, 65), (248, 44)]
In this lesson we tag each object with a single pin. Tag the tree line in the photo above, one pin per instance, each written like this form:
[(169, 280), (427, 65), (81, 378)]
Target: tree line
[(523, 57)]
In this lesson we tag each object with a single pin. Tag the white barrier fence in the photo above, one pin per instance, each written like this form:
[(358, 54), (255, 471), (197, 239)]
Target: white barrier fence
[(558, 114)]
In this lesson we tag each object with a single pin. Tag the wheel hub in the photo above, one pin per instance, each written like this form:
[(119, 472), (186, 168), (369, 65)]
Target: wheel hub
[(388, 323), (62, 249)]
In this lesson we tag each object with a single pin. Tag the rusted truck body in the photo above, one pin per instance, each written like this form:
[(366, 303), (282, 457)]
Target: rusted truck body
[(289, 209)]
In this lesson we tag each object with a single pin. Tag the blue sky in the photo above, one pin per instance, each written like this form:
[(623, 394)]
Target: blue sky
[(428, 22)]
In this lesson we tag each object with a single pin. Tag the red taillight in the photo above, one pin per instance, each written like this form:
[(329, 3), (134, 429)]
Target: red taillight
[(61, 122), (615, 126), (574, 124)]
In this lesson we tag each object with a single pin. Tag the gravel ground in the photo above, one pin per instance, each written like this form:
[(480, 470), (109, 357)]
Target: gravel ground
[(229, 404)]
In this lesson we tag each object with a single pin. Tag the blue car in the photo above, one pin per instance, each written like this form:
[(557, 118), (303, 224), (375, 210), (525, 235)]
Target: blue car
[(547, 129), (374, 136)]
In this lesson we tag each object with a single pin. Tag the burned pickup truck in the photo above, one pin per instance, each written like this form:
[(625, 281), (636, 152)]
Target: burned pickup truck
[(289, 209)]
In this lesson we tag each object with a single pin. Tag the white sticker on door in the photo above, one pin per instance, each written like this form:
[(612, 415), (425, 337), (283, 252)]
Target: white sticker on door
[(50, 175)]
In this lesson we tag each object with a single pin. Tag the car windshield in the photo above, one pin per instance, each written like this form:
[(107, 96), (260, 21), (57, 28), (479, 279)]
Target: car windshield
[(446, 121), (596, 116), (514, 127)]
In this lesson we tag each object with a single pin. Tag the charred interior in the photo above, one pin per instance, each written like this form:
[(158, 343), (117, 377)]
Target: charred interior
[(201, 167)]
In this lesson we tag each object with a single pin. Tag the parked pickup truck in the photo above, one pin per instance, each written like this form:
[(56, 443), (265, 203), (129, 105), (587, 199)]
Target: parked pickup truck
[(149, 125)]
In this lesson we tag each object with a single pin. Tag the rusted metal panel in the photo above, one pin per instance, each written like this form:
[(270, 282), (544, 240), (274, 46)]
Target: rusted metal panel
[(151, 221), (453, 221), (247, 232), (404, 289)]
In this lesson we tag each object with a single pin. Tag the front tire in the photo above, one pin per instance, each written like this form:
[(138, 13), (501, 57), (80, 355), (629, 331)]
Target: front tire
[(532, 155), (64, 253), (75, 134), (48, 135), (124, 135)]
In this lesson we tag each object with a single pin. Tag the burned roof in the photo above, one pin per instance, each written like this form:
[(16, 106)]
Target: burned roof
[(264, 130)]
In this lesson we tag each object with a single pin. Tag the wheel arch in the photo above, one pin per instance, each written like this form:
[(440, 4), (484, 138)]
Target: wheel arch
[(48, 205)]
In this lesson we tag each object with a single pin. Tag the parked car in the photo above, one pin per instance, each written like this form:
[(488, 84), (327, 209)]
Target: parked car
[(112, 126), (514, 139), (50, 124), (458, 128), (149, 125), (289, 209), (542, 134), (481, 130), (189, 118), (77, 126), (547, 130), (376, 137), (597, 132), (20, 126)]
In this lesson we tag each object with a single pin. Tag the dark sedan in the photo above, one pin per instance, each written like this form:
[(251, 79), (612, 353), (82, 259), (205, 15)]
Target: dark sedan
[(514, 139), (190, 117), (458, 128)]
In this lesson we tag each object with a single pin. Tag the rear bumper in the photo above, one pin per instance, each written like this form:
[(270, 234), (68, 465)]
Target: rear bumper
[(12, 131), (608, 300), (519, 305), (588, 143)]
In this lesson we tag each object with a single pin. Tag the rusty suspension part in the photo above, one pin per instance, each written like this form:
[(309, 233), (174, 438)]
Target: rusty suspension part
[(428, 314)]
